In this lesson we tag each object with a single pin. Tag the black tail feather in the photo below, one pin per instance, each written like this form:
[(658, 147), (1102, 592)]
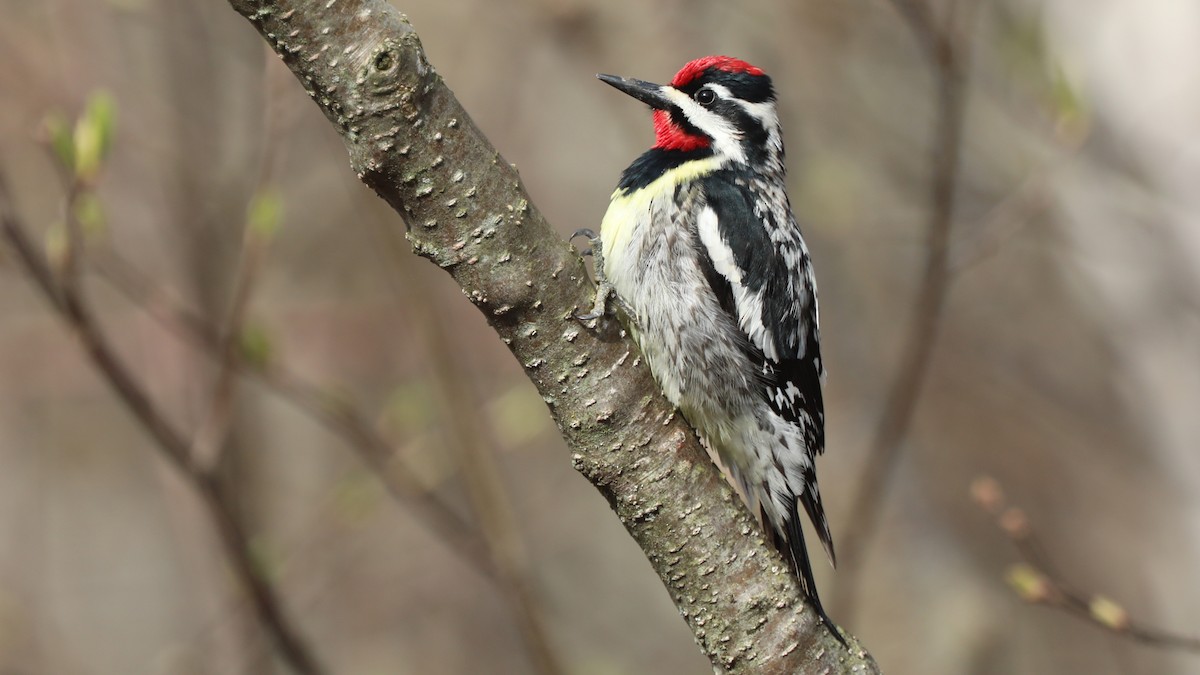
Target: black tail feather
[(811, 499), (790, 542)]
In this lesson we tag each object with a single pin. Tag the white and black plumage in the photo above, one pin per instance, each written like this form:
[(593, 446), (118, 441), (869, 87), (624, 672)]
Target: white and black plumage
[(700, 245)]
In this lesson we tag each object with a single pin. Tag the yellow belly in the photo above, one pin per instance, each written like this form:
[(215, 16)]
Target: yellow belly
[(627, 211)]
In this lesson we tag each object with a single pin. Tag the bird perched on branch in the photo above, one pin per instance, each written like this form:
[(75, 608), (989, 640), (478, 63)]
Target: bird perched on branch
[(700, 247)]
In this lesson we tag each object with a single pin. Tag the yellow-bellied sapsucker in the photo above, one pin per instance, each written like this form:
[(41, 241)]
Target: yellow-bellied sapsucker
[(700, 245)]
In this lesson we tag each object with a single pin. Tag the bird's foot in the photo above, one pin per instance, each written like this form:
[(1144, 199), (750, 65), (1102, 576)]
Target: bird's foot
[(592, 238), (604, 290), (606, 294)]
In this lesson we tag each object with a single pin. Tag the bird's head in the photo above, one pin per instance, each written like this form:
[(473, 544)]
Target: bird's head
[(716, 102)]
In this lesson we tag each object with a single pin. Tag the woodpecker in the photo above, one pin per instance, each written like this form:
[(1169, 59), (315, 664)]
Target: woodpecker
[(700, 247)]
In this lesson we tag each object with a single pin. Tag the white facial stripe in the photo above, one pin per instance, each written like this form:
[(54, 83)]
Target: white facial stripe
[(722, 91), (763, 111), (726, 139)]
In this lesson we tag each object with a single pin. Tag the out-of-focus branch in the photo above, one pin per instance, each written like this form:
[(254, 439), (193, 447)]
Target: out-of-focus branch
[(475, 456), (261, 220), (1037, 582), (502, 560), (412, 142), (1000, 225), (210, 438), (340, 419), (946, 47), (67, 297)]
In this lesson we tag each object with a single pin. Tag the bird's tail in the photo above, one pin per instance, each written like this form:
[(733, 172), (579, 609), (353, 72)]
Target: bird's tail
[(811, 499), (788, 538)]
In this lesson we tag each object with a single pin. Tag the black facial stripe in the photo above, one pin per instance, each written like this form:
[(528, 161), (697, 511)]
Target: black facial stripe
[(751, 88), (754, 135), (682, 122), (691, 87), (751, 126)]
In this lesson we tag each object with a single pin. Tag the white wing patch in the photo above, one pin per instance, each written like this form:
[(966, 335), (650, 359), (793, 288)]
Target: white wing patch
[(718, 251), (749, 303)]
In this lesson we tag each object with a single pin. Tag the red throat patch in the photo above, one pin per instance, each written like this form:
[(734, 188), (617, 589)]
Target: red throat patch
[(727, 63), (670, 136)]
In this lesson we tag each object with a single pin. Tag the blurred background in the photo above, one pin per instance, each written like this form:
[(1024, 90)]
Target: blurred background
[(333, 382)]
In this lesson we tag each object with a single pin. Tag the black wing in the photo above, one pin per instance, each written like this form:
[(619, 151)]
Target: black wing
[(766, 284), (768, 288)]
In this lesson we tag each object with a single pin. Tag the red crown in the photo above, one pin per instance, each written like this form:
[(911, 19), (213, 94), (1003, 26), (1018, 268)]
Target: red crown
[(727, 63)]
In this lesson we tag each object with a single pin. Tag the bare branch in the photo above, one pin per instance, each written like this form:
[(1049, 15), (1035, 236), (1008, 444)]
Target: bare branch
[(68, 298), (338, 418), (413, 143), (474, 452), (1001, 224), (209, 441), (1037, 582), (948, 56), (505, 564)]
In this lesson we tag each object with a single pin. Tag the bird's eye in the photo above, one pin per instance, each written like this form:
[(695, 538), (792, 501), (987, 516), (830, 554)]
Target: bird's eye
[(705, 96)]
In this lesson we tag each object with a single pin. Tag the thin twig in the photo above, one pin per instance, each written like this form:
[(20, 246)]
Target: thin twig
[(1003, 221), (352, 426), (1037, 582), (68, 298), (340, 419), (209, 441), (475, 454), (1009, 216), (948, 55)]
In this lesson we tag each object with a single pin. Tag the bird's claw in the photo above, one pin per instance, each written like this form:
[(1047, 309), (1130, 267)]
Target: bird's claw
[(584, 232), (591, 237), (604, 290)]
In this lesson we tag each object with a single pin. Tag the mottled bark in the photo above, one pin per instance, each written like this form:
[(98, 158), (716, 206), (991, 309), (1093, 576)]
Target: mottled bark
[(466, 210)]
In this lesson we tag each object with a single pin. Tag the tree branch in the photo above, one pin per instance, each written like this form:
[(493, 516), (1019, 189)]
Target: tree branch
[(340, 419), (499, 558), (411, 141), (948, 57), (471, 446), (67, 297), (1037, 582)]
